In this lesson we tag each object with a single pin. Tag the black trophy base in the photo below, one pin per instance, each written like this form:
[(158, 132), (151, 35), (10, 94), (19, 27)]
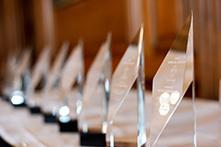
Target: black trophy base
[(3, 143), (70, 126), (35, 110), (49, 118), (92, 139)]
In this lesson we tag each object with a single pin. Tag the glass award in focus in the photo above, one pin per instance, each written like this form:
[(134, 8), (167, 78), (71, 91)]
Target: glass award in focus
[(52, 82), (170, 84), (126, 113), (56, 98), (96, 92), (21, 80)]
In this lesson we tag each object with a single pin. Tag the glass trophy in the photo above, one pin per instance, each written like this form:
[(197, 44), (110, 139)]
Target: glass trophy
[(53, 78), (55, 71), (72, 79), (9, 84), (56, 102), (95, 98), (170, 84), (21, 80), (38, 79), (126, 114)]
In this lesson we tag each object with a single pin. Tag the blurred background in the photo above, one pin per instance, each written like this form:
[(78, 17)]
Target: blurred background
[(33, 24)]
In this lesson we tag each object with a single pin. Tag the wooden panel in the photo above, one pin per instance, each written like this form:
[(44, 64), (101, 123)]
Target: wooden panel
[(91, 20), (206, 38), (218, 30), (11, 35), (43, 23), (206, 41), (12, 25), (166, 20), (134, 17), (3, 53)]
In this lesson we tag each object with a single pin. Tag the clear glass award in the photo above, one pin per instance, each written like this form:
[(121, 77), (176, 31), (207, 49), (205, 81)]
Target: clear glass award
[(126, 114), (23, 64), (41, 68), (39, 77), (52, 82), (56, 102), (9, 84), (170, 84), (95, 98), (55, 71), (21, 80), (71, 96)]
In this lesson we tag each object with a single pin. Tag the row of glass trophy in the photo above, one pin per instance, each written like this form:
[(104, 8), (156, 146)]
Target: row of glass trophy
[(111, 110)]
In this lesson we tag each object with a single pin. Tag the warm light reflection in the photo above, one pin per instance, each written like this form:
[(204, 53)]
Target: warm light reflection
[(84, 127), (164, 98), (104, 127), (78, 107), (64, 111), (174, 97), (17, 98), (107, 85), (164, 109), (64, 119), (111, 140)]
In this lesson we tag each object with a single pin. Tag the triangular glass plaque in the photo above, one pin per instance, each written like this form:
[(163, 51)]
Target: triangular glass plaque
[(21, 79), (73, 68), (53, 100), (41, 68), (40, 71), (70, 92), (96, 91), (9, 84), (72, 73), (55, 72), (129, 70), (52, 77), (23, 64), (171, 82), (18, 66)]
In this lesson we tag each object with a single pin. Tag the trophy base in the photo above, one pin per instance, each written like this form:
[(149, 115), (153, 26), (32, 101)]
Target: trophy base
[(35, 110), (92, 139), (3, 143), (49, 118), (70, 126)]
